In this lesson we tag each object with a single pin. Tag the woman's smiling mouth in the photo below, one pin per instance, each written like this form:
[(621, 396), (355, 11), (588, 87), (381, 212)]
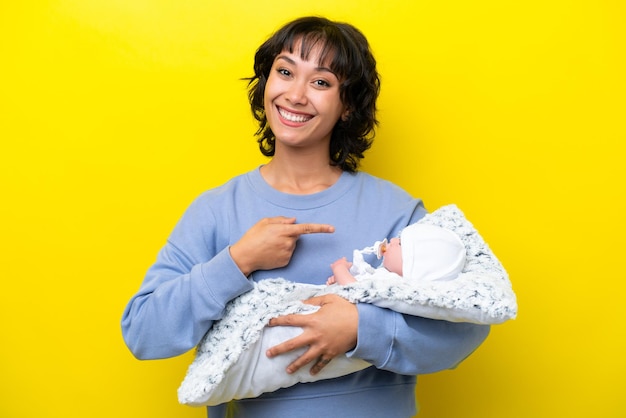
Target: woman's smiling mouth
[(293, 117)]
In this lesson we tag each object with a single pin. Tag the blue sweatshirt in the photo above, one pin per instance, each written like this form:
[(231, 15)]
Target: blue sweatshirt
[(194, 277)]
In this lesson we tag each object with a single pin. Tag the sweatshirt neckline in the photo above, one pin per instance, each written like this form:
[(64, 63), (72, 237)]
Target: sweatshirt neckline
[(296, 201)]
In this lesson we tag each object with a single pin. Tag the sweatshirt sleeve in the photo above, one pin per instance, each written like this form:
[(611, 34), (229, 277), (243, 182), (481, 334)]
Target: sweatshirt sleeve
[(184, 292), (411, 345)]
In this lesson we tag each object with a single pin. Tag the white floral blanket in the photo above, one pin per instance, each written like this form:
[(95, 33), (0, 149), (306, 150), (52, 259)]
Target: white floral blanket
[(230, 361)]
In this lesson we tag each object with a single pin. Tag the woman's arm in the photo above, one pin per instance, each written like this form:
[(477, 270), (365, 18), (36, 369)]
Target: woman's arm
[(389, 340), (198, 272), (178, 302), (408, 344), (186, 289)]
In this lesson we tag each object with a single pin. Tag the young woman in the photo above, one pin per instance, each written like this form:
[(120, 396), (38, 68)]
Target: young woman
[(314, 94)]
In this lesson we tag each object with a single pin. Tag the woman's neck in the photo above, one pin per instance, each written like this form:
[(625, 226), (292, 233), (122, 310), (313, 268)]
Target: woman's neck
[(300, 177)]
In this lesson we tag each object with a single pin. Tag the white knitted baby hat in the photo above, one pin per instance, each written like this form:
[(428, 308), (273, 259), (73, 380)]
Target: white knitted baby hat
[(431, 253)]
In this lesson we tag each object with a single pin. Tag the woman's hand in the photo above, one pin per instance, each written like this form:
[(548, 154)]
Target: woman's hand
[(329, 332), (270, 243)]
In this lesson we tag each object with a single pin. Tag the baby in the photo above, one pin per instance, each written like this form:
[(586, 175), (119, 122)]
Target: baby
[(422, 252)]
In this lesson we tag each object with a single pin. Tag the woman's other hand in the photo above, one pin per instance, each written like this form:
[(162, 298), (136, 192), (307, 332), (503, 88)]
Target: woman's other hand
[(329, 332)]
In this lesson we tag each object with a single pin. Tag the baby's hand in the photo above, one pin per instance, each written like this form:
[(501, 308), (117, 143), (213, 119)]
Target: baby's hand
[(341, 272), (342, 263)]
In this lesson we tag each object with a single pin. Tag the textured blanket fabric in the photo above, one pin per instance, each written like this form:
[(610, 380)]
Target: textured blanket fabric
[(230, 362)]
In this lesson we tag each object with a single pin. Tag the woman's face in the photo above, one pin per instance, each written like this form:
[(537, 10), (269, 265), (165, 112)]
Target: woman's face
[(301, 100), (392, 257)]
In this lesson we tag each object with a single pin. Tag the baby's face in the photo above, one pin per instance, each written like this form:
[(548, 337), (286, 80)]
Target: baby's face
[(392, 256)]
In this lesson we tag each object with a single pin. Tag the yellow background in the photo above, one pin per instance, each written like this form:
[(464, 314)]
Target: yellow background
[(115, 114)]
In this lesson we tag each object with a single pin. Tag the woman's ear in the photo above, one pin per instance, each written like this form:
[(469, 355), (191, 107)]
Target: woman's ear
[(345, 114)]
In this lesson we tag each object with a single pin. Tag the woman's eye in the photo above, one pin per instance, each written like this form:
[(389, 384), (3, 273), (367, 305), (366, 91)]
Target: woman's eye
[(322, 83), (284, 71)]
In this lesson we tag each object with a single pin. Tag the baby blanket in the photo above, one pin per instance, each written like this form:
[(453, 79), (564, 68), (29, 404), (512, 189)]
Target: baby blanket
[(230, 361)]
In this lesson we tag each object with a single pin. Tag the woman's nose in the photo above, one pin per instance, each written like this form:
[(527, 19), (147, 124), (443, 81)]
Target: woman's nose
[(297, 93)]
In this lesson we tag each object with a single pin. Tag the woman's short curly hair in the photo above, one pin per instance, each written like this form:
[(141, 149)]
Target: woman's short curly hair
[(350, 59)]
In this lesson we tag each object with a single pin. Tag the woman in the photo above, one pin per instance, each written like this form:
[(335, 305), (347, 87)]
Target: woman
[(314, 94)]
